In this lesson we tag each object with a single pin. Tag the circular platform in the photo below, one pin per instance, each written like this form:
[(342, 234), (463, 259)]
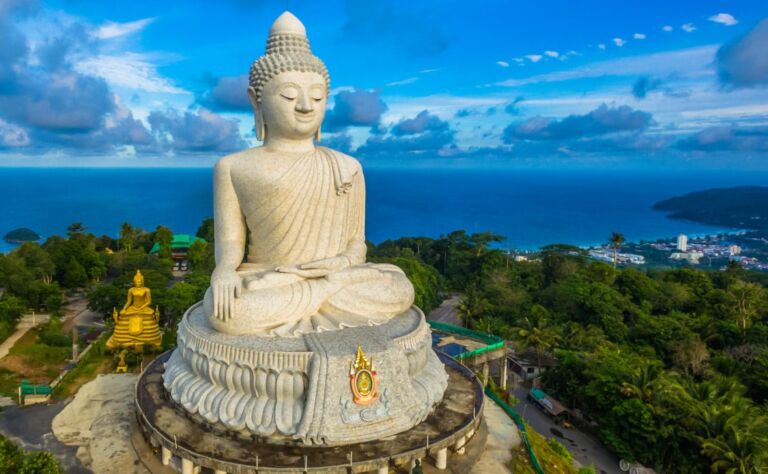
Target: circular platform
[(297, 390), (167, 426)]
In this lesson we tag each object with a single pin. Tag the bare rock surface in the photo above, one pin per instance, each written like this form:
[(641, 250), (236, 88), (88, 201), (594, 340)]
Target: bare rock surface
[(503, 436), (100, 421)]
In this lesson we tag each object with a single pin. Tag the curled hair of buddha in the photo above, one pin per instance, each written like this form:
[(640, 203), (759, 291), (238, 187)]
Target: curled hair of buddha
[(287, 50)]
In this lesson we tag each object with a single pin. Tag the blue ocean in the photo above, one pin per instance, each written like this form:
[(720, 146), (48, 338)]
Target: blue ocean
[(530, 207)]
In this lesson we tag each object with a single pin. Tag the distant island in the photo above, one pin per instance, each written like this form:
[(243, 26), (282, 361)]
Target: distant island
[(743, 207), (21, 235)]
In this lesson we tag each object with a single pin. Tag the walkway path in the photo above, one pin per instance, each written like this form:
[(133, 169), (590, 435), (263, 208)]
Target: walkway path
[(26, 323), (503, 437)]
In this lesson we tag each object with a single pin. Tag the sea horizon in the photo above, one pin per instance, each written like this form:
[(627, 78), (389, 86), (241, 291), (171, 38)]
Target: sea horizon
[(530, 207)]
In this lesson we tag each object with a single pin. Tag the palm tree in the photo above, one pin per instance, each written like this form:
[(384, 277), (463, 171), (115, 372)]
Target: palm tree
[(489, 325), (740, 449), (643, 381), (710, 403), (471, 307), (747, 297), (616, 240), (731, 430), (534, 332)]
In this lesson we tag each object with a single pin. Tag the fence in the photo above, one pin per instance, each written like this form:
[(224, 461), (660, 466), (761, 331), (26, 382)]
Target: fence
[(492, 342), (520, 425)]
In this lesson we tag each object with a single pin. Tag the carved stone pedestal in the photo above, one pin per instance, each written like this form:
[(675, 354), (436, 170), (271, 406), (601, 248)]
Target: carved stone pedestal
[(298, 390)]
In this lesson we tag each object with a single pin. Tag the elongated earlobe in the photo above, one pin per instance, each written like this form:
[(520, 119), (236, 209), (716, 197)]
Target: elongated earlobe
[(261, 127), (317, 136)]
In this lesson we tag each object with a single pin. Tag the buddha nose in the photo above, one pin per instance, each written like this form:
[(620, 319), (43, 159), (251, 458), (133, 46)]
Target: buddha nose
[(304, 104)]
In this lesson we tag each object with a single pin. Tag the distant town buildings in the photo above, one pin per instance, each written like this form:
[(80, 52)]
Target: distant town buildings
[(734, 250), (606, 255), (682, 242), (692, 257)]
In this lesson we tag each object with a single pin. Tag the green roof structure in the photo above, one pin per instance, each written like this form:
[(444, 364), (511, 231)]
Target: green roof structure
[(538, 394), (179, 241)]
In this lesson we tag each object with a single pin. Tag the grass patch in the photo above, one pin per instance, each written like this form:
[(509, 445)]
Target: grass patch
[(38, 362), (97, 361), (9, 383), (32, 360), (547, 453)]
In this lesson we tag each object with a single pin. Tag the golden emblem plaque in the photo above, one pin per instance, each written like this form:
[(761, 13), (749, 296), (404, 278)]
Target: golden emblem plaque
[(362, 379)]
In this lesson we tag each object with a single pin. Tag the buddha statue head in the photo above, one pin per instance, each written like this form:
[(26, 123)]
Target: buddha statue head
[(138, 279), (288, 86)]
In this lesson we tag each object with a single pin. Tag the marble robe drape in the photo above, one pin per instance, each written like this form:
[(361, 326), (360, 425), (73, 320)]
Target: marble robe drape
[(316, 210)]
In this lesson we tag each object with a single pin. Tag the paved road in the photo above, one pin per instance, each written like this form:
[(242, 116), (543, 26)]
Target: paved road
[(446, 312), (77, 314), (585, 448), (30, 428)]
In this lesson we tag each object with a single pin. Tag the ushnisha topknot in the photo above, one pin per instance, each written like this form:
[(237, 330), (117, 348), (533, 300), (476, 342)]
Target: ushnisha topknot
[(287, 50)]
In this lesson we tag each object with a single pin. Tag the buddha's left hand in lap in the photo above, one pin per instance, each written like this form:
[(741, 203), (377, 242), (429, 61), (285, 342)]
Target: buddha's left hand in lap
[(317, 268)]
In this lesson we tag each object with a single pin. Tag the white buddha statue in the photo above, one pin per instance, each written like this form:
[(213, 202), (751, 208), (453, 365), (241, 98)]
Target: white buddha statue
[(296, 211), (284, 341)]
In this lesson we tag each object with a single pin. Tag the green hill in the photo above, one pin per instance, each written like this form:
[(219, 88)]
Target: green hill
[(744, 207), (21, 235)]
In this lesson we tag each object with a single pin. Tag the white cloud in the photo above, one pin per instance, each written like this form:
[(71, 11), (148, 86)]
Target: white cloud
[(427, 71), (691, 62), (724, 19), (734, 112), (534, 58), (403, 82), (519, 61), (111, 29), (443, 105), (130, 70), (639, 36), (12, 135), (552, 54), (502, 63), (601, 45), (619, 42), (667, 28), (688, 28)]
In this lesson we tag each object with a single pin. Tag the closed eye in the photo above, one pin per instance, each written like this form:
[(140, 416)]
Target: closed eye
[(289, 93)]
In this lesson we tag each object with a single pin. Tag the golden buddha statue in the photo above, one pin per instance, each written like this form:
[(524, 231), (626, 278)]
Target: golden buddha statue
[(137, 322)]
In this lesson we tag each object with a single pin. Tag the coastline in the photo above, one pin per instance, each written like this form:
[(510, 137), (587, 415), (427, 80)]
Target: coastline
[(530, 208)]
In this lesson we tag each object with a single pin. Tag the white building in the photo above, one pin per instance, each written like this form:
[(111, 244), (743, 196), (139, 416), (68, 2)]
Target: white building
[(691, 257), (682, 242), (734, 250)]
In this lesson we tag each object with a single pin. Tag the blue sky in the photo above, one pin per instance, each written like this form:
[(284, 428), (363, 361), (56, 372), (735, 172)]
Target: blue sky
[(444, 83)]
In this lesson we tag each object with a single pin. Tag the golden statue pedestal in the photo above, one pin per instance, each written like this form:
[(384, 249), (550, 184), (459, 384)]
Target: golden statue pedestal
[(136, 325)]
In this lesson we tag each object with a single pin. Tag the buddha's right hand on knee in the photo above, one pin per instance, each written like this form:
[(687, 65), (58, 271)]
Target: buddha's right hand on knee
[(225, 286)]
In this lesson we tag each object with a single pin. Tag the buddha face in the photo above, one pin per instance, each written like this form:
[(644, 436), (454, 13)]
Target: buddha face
[(138, 281), (293, 105)]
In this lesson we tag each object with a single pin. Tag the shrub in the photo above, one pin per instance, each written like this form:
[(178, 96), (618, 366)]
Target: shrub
[(14, 459), (52, 334), (559, 448)]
